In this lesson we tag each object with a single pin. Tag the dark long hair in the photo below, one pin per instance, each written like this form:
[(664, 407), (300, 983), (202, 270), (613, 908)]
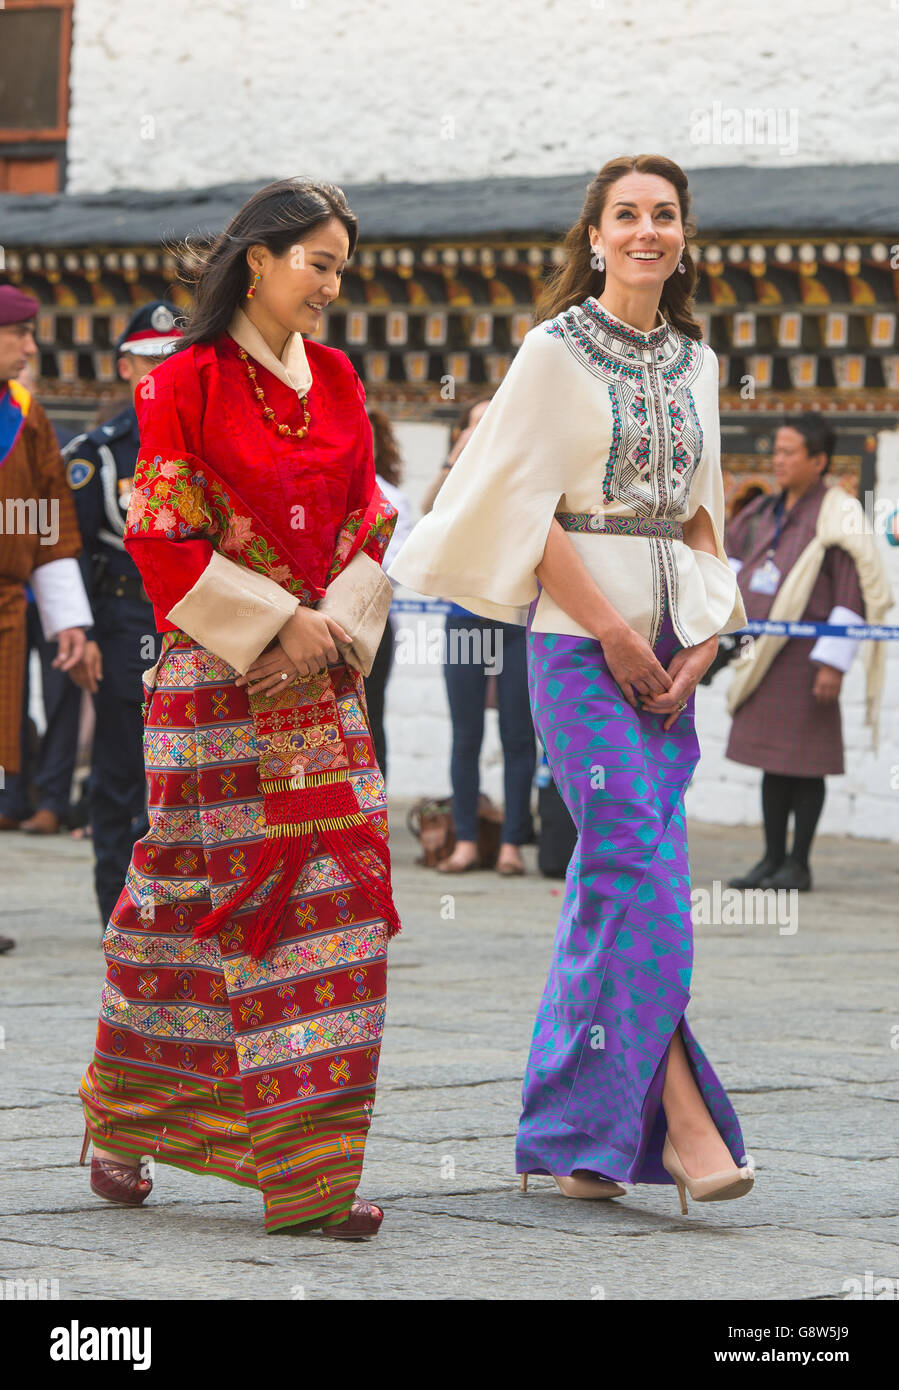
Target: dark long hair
[(278, 216), (576, 278), (386, 449)]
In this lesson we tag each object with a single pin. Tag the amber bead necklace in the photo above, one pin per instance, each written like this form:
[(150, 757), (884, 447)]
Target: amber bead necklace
[(266, 409)]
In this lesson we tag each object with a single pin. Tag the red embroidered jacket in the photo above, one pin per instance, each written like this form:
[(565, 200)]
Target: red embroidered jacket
[(215, 474)]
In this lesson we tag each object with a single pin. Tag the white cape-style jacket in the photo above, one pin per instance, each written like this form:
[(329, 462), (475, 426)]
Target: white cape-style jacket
[(592, 416)]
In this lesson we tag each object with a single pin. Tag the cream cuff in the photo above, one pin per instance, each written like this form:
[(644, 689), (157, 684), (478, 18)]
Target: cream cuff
[(359, 598), (233, 611), (60, 597), (837, 651)]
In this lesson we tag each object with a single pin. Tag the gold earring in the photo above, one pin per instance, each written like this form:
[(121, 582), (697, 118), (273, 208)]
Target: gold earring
[(252, 290)]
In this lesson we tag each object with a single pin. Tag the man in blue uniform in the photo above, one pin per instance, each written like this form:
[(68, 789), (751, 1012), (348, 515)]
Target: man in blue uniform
[(123, 643)]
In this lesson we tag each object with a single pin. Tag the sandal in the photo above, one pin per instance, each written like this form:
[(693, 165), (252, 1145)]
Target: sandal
[(444, 867), (116, 1182), (363, 1222)]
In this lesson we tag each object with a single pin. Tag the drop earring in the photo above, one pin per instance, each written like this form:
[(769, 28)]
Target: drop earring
[(252, 290), (598, 260), (682, 269)]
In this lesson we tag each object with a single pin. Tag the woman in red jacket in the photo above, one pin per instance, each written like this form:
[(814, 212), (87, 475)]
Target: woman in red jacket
[(240, 1024)]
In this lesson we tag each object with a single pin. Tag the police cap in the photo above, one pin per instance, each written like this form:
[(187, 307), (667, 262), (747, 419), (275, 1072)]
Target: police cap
[(151, 331)]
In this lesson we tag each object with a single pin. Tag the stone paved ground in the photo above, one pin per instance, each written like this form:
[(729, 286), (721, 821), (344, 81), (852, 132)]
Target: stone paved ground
[(801, 1025)]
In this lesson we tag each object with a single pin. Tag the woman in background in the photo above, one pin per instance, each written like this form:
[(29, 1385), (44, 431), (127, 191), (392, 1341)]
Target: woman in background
[(477, 648)]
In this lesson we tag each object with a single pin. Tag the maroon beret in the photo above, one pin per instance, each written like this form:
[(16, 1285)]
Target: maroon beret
[(16, 306)]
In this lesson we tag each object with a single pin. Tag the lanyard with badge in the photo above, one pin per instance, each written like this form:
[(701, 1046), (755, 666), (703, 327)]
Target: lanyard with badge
[(766, 578)]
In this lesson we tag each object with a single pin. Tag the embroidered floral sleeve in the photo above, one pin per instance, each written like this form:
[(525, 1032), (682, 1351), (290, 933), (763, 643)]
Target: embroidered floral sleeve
[(367, 529), (168, 499), (174, 500)]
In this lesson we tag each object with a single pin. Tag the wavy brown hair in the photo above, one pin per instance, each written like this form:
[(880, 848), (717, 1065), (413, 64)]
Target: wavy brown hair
[(387, 451), (277, 216), (577, 278)]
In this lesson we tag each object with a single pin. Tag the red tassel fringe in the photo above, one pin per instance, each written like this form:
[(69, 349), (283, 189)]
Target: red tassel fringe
[(353, 847)]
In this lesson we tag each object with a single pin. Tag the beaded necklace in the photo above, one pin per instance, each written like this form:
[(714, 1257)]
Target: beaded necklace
[(266, 409)]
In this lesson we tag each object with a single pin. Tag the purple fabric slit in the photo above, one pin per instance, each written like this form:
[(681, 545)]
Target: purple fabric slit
[(619, 981)]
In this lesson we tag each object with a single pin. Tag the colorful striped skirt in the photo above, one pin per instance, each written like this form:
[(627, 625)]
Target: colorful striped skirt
[(259, 1071), (619, 981)]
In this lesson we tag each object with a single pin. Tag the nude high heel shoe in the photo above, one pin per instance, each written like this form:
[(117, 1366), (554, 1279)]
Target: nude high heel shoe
[(714, 1187), (582, 1186)]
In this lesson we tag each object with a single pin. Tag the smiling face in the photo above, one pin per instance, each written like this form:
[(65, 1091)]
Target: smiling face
[(295, 289), (641, 233), (16, 346)]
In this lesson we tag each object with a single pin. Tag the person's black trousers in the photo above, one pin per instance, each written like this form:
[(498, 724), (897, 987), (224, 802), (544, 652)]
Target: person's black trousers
[(117, 791), (375, 686)]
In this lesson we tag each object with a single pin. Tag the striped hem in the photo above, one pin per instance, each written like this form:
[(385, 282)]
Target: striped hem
[(136, 1149), (305, 1161), (309, 1213), (289, 1209)]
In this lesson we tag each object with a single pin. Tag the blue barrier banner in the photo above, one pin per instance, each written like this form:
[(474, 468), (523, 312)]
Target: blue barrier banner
[(862, 631), (420, 605)]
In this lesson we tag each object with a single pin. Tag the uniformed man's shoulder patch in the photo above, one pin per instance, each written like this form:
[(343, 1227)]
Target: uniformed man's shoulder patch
[(72, 445), (79, 472)]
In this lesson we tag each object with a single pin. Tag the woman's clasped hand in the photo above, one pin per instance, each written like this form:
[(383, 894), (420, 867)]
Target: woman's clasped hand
[(633, 664), (687, 667), (642, 678), (304, 647)]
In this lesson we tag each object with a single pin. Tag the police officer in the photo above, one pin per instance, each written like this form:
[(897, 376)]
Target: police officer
[(123, 643)]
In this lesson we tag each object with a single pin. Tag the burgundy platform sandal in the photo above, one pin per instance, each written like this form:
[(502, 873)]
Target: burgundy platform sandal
[(117, 1182), (363, 1222)]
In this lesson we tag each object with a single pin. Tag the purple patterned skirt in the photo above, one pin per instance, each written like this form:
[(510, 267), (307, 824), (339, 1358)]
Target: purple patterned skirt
[(619, 981)]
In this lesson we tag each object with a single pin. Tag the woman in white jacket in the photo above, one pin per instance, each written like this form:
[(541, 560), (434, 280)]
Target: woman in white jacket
[(589, 507)]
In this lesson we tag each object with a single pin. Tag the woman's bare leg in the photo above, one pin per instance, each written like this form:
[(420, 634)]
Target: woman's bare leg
[(693, 1132)]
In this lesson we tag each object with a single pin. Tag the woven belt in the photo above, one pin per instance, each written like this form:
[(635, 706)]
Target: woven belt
[(660, 527)]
